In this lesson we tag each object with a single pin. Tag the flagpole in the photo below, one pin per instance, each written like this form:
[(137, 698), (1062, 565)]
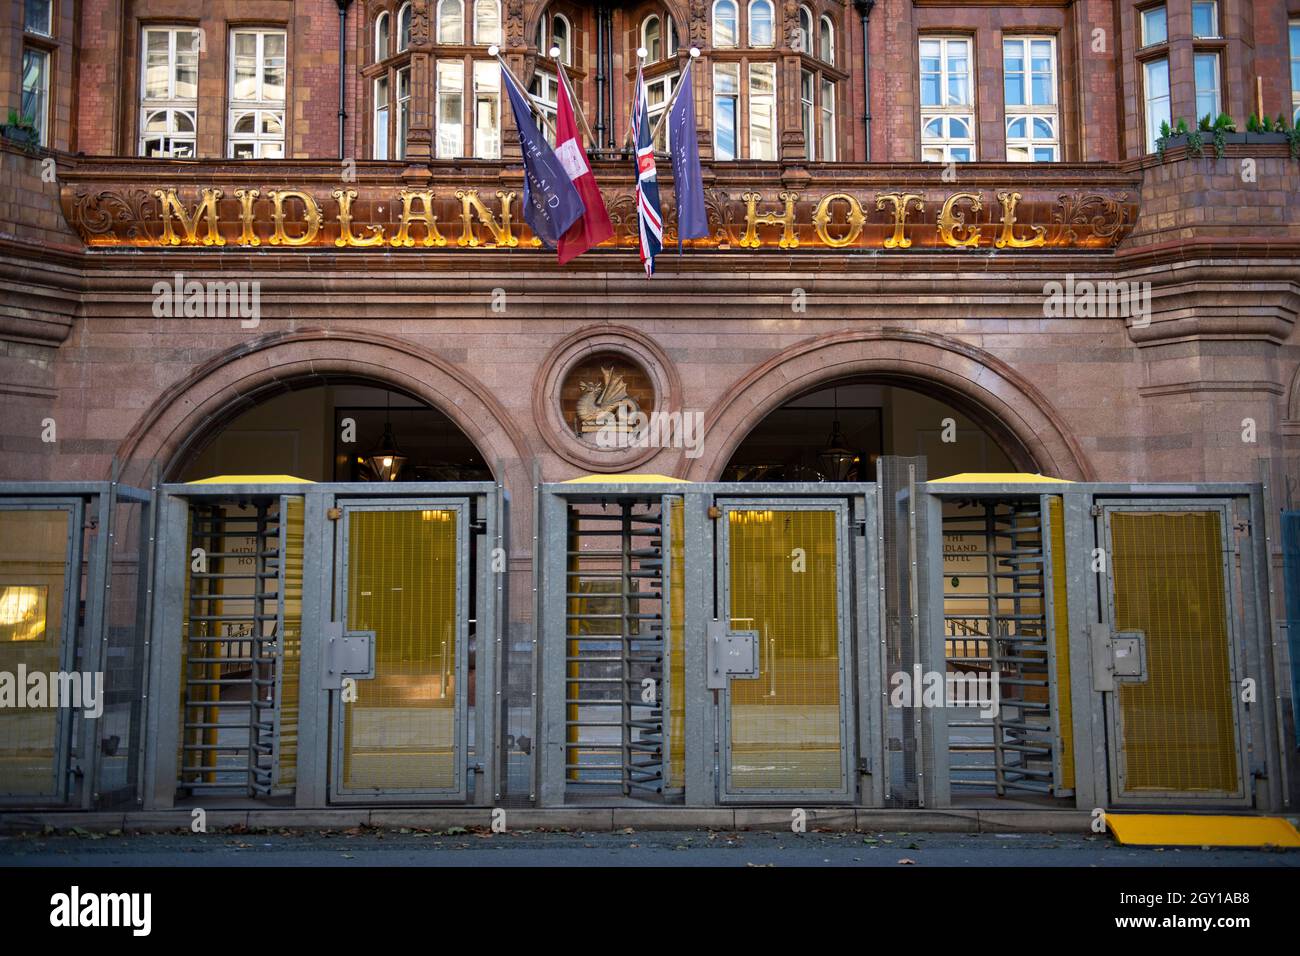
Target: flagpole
[(654, 134), (641, 54), (528, 97), (574, 100)]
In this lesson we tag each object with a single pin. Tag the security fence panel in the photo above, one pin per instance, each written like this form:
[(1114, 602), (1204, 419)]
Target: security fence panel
[(1170, 601), (40, 589), (400, 645), (782, 650)]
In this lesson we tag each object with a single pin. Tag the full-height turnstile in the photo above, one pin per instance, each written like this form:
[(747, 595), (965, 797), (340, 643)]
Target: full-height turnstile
[(326, 644), (708, 643), (1127, 628)]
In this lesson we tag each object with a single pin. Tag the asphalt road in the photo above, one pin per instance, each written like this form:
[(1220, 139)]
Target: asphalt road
[(396, 848)]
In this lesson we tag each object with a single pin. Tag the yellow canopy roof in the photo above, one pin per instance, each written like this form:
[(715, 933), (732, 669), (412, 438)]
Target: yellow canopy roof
[(998, 478), (252, 480), (626, 479)]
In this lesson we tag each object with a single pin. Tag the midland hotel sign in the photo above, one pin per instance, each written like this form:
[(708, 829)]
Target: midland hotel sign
[(350, 215)]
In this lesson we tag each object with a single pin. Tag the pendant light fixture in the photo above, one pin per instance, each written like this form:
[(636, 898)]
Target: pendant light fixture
[(386, 460), (836, 459)]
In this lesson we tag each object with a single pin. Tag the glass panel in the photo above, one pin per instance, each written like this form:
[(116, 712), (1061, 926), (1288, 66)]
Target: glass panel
[(1207, 85), (245, 85), (1043, 128), (933, 129), (931, 72), (1157, 99), (451, 106), (960, 154), (487, 105), (36, 65), (273, 67), (157, 64), (1155, 26), (724, 23), (762, 111), (38, 16), (451, 21), (1045, 154), (651, 39), (785, 725), (828, 121), (33, 573), (726, 90), (381, 118), (246, 123), (1204, 20), (958, 128), (187, 65), (487, 22), (381, 37), (401, 730), (827, 41), (183, 120), (760, 23), (805, 30), (1016, 128)]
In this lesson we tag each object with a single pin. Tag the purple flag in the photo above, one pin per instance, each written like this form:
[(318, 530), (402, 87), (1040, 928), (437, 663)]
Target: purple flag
[(688, 185)]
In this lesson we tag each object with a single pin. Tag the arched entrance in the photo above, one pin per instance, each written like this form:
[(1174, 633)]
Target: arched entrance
[(920, 378)]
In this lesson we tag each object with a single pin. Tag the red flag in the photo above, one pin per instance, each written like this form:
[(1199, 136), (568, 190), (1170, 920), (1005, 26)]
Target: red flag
[(594, 226)]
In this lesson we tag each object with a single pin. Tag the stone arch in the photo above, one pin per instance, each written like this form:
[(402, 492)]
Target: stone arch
[(216, 391), (1004, 402)]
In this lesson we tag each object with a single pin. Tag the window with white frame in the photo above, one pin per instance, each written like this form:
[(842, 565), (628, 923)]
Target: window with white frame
[(383, 116), (726, 25), (450, 86), (726, 111), (1155, 25), (403, 27), (381, 37), (827, 140), (487, 110), (36, 92), (38, 17), (487, 22), (451, 22), (826, 41), (947, 103), (1205, 19), (1029, 85), (1295, 72), (659, 37), (659, 91), (257, 78), (556, 30), (169, 92), (761, 107), (805, 31), (1209, 101), (1155, 96), (545, 91), (761, 19), (403, 112)]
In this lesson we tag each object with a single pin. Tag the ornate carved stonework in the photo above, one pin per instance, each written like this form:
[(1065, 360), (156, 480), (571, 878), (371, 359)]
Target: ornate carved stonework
[(606, 404), (514, 23), (605, 392)]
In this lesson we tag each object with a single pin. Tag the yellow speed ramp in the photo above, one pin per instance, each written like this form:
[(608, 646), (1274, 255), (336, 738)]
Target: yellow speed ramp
[(1176, 829)]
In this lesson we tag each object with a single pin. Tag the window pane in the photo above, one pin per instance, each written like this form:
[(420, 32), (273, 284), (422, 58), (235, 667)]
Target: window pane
[(827, 41), (1016, 128), (1044, 154), (36, 77), (487, 22), (381, 37), (37, 16), (724, 23), (1203, 20), (1155, 28), (451, 106), (828, 121), (1015, 89), (1207, 85), (451, 21), (762, 111), (1156, 74), (187, 65), (726, 87), (760, 23), (651, 38)]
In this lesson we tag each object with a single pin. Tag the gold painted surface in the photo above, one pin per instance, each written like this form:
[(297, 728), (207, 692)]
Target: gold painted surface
[(1061, 637), (400, 733), (33, 568), (785, 725), (1178, 732), (291, 641), (677, 643)]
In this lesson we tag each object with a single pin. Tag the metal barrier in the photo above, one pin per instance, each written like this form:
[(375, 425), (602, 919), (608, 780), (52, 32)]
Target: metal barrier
[(333, 643), (75, 559)]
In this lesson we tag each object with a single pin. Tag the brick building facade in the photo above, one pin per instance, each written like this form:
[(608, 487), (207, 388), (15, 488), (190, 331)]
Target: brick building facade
[(874, 244)]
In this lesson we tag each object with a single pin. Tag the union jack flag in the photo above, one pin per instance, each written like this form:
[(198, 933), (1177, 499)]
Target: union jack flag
[(649, 220)]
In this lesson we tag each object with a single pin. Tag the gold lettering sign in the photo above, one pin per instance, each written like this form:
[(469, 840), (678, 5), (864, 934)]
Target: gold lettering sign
[(370, 216)]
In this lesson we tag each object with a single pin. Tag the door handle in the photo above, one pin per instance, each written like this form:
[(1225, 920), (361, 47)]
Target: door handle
[(729, 654)]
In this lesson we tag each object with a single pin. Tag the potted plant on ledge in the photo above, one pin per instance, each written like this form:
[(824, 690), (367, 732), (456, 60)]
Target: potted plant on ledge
[(21, 130)]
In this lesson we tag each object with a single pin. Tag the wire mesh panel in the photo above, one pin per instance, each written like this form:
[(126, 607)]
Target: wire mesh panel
[(404, 731), (39, 588), (785, 728), (1178, 725)]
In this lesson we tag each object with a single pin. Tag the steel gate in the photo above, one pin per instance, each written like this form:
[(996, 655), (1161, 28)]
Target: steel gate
[(708, 644), (332, 643), (1169, 595)]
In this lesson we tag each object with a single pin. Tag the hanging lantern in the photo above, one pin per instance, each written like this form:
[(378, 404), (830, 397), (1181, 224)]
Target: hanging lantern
[(386, 460)]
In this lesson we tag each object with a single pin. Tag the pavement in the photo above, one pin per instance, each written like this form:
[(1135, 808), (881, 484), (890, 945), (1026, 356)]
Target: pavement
[(480, 847)]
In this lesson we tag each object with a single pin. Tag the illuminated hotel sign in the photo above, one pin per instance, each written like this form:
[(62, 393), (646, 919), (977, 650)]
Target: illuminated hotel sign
[(352, 217)]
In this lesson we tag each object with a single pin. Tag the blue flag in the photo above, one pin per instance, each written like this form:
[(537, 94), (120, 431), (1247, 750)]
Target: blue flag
[(688, 185), (551, 203)]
